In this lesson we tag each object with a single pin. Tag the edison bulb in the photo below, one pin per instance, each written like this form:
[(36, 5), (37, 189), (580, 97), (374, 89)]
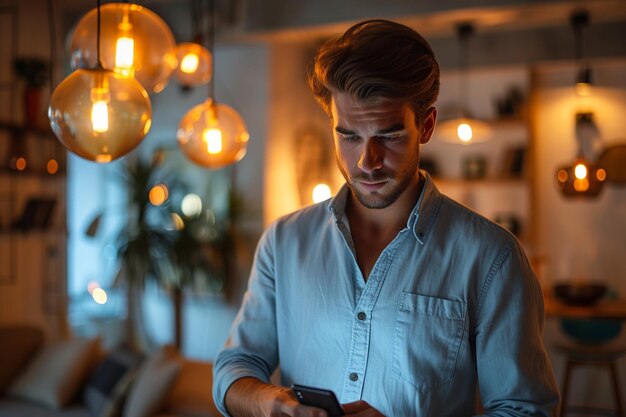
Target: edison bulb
[(464, 131), (134, 41), (100, 115), (194, 64), (212, 135)]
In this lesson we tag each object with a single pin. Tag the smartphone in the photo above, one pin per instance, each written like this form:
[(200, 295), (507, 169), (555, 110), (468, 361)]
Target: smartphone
[(318, 397)]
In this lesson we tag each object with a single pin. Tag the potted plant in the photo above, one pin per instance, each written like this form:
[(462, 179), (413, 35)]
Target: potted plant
[(35, 72)]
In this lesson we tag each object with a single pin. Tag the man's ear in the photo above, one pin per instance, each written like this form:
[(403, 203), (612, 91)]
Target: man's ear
[(428, 126)]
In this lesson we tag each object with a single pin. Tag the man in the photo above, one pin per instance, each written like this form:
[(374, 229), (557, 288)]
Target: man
[(401, 301)]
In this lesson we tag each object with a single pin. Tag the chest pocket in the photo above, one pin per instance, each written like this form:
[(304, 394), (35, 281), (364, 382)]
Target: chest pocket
[(427, 339)]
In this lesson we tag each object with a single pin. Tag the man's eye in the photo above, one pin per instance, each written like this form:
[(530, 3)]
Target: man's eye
[(352, 138), (390, 138)]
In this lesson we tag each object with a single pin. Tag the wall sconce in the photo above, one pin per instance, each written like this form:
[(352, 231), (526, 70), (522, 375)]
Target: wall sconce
[(134, 42), (212, 135), (99, 114), (464, 128)]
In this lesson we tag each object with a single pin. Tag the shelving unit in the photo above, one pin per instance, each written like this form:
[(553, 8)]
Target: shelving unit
[(502, 190), (33, 227)]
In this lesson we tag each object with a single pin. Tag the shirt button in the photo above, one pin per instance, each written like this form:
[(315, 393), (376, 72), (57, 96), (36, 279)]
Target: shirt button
[(353, 376), (361, 316)]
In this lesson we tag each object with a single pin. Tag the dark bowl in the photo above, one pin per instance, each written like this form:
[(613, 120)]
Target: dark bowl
[(580, 293)]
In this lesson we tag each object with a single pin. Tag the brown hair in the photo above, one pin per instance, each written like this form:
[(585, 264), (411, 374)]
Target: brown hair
[(377, 59)]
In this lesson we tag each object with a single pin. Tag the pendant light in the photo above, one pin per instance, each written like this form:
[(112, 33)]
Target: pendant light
[(212, 135), (194, 60), (100, 114), (134, 42), (582, 178), (464, 128)]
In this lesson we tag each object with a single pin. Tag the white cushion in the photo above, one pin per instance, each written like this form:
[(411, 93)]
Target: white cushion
[(56, 373)]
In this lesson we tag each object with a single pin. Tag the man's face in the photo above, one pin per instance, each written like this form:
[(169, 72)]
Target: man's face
[(377, 147)]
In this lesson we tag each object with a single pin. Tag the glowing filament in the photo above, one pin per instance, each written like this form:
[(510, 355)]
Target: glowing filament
[(213, 139), (100, 116), (125, 46), (464, 132), (580, 171), (189, 63)]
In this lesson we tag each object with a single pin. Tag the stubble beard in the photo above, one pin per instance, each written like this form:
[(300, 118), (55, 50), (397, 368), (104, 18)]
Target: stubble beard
[(375, 200)]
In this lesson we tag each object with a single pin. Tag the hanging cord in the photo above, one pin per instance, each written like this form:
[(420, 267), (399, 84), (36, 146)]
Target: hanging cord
[(98, 37), (464, 31), (579, 20), (195, 11), (210, 26)]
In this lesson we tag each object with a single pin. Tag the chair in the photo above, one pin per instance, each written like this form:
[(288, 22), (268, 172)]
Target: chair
[(590, 351)]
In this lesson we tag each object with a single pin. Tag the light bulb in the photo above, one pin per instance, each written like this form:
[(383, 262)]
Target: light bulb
[(124, 46), (99, 114), (464, 131), (580, 171), (213, 139), (212, 135), (194, 64), (134, 41)]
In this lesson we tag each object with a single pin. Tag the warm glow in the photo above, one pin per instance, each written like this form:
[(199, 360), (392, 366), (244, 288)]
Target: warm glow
[(189, 63), (125, 46), (562, 175), (158, 194), (580, 171), (583, 89), (581, 185), (464, 131), (320, 193), (124, 50), (99, 296), (601, 174), (52, 166), (213, 139), (20, 164), (100, 116), (191, 205)]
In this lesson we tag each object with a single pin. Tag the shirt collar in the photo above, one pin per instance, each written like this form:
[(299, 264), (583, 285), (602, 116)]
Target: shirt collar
[(422, 216)]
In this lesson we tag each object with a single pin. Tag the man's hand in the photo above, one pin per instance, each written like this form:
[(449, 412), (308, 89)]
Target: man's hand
[(360, 409), (250, 397)]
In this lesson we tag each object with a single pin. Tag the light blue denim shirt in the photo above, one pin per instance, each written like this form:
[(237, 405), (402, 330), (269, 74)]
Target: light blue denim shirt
[(451, 304)]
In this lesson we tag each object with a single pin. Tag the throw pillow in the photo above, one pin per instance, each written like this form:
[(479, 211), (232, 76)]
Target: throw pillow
[(56, 373), (152, 383), (109, 382)]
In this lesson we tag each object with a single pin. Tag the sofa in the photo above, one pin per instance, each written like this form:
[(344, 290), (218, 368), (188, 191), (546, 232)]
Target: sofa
[(77, 378)]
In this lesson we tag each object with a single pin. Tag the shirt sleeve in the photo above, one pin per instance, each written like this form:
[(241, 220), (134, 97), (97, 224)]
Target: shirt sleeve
[(514, 374), (251, 348)]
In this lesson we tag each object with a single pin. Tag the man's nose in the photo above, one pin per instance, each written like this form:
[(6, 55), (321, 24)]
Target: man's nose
[(371, 156)]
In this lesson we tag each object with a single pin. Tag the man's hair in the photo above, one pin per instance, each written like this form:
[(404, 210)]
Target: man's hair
[(377, 59)]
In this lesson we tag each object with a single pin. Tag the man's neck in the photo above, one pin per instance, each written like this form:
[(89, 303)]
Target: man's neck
[(392, 218)]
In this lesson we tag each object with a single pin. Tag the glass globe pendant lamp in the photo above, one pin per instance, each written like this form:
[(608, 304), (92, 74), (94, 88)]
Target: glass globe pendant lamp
[(99, 114), (212, 135), (134, 42), (194, 64)]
